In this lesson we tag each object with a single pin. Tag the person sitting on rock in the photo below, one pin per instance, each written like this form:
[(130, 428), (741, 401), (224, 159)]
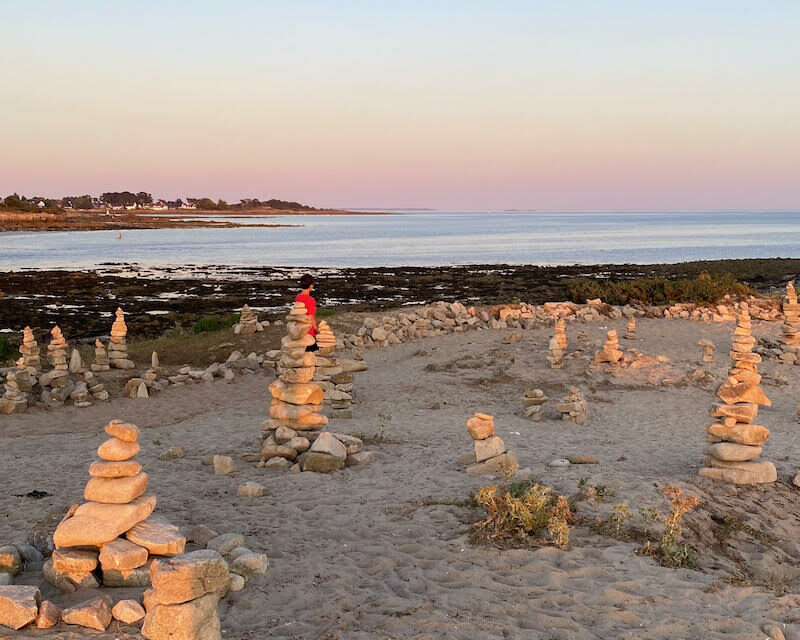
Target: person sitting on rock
[(307, 285)]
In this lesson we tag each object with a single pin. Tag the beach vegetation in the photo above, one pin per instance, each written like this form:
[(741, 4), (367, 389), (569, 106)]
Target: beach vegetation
[(7, 352), (705, 288), (526, 513)]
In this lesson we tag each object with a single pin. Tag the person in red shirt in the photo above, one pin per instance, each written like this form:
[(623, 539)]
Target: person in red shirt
[(307, 285)]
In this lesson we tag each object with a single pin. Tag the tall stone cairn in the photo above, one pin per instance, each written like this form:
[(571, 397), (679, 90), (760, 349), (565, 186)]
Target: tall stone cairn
[(118, 346), (58, 378), (560, 334), (330, 375), (100, 357), (326, 341), (555, 354), (736, 440), (790, 338), (610, 352), (113, 528), (630, 330), (29, 351)]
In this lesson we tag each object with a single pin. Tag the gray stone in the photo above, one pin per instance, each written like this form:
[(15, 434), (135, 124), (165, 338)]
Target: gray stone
[(225, 543)]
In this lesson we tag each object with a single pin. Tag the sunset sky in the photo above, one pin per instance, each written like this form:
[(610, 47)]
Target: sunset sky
[(552, 105)]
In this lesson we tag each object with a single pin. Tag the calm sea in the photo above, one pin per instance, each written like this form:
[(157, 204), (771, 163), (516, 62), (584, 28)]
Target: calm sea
[(426, 239)]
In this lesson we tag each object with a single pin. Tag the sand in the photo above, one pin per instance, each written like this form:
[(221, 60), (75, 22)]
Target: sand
[(383, 551)]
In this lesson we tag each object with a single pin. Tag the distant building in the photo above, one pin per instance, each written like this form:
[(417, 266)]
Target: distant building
[(41, 204), (185, 205), (159, 206)]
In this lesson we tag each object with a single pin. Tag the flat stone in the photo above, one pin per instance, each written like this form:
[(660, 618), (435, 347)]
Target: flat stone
[(122, 555), (360, 459), (277, 463), (189, 576), (116, 450), (95, 524), (115, 490), (250, 563), (740, 433), (19, 605), (92, 614), (269, 451), (157, 536), (748, 392), (559, 462), (223, 465), (10, 560), (733, 452), (251, 490), (489, 448), (122, 469), (226, 543), (201, 534), (582, 460), (131, 578), (327, 443), (123, 430), (320, 462), (74, 561), (195, 620), (753, 473), (493, 465), (49, 615), (68, 582), (127, 611), (741, 412), (307, 393)]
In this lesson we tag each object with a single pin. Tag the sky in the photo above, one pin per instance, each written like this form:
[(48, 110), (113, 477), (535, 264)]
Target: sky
[(459, 105)]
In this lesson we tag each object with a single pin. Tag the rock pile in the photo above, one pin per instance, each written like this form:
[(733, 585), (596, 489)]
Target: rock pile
[(708, 351), (118, 346), (555, 355), (610, 352), (100, 357), (489, 453), (29, 353), (583, 340), (630, 330), (114, 528), (326, 341), (737, 441), (533, 404), (573, 408), (790, 339), (13, 399), (96, 388), (248, 323)]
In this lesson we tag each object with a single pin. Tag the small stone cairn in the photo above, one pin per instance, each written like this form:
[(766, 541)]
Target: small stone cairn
[(533, 404), (583, 340), (790, 339), (555, 354), (573, 408), (96, 388), (100, 357), (489, 453), (736, 440), (248, 323), (630, 330), (13, 400), (708, 351), (330, 375), (57, 379), (114, 527), (610, 352), (118, 347), (29, 353), (326, 341)]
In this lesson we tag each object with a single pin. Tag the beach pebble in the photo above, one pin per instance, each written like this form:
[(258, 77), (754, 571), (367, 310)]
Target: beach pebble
[(237, 582), (173, 453), (582, 460), (773, 631), (251, 490), (223, 465), (558, 462)]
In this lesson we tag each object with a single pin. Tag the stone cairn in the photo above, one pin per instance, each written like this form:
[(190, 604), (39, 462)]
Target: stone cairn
[(29, 354), (96, 388), (100, 357), (326, 341), (489, 453), (114, 528), (630, 330), (248, 323), (555, 355), (610, 352), (533, 404), (330, 375), (583, 340), (708, 351), (13, 400), (560, 333), (118, 347), (791, 325), (573, 408), (736, 440), (57, 379)]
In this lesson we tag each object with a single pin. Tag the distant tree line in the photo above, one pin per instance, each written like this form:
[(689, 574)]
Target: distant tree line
[(141, 200)]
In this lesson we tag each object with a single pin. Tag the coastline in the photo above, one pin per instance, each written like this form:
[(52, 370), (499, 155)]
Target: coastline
[(81, 302)]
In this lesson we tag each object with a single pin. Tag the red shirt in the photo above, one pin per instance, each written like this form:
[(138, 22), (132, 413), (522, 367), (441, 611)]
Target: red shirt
[(311, 308)]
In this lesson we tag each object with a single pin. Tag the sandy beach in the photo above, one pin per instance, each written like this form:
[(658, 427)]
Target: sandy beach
[(383, 551)]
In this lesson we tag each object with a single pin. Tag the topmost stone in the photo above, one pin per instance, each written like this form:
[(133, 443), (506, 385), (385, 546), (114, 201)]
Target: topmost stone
[(123, 430)]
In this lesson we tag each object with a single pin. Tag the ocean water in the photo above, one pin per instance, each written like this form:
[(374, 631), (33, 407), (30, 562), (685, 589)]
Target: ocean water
[(425, 239)]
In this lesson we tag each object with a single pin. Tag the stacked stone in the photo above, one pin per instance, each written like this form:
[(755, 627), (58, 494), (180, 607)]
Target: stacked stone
[(100, 357), (610, 352), (29, 350), (583, 340), (560, 333), (296, 400), (489, 453), (248, 323), (58, 378), (96, 388), (533, 404), (114, 528), (573, 408), (326, 341), (13, 400), (80, 395), (708, 351), (737, 441), (791, 325), (630, 330), (118, 347), (555, 354)]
